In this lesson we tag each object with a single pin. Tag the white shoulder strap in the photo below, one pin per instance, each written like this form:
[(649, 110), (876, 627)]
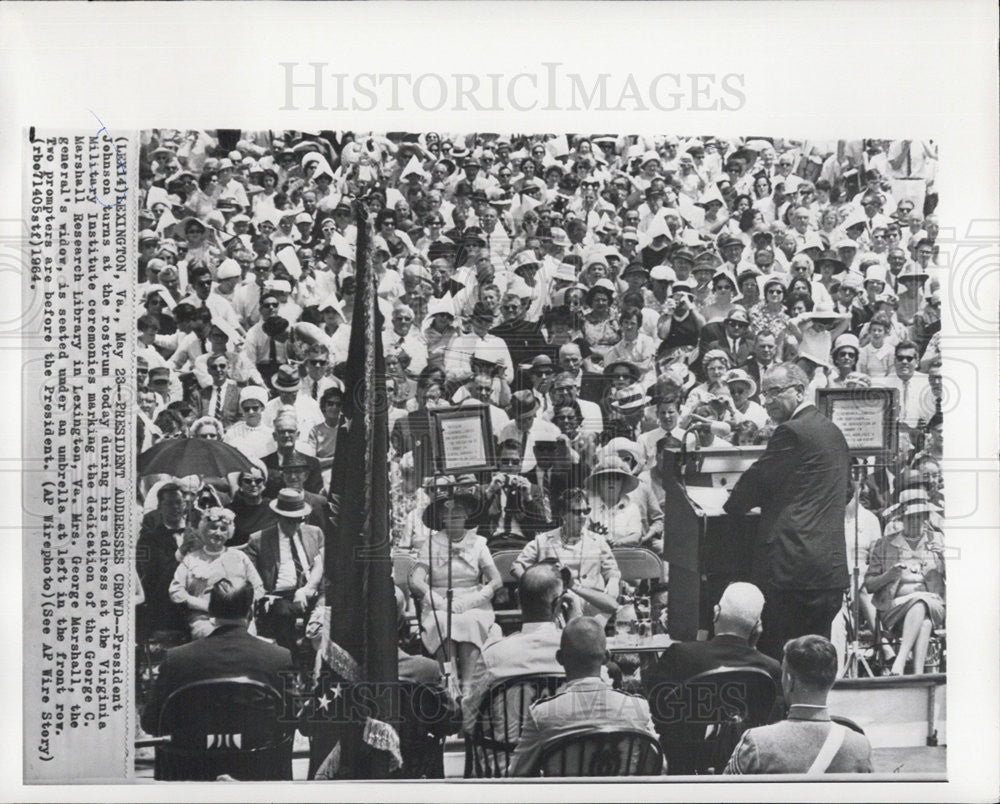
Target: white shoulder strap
[(829, 749)]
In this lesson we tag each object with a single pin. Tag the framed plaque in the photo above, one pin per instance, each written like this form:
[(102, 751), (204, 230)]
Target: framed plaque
[(462, 440), (866, 416)]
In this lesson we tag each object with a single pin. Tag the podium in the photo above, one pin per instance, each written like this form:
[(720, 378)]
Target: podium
[(705, 547)]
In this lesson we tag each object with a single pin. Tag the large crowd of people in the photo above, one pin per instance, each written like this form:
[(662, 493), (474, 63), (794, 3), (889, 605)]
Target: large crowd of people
[(607, 299)]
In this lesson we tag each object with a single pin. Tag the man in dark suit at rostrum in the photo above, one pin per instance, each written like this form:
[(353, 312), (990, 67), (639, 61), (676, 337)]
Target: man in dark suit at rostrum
[(801, 484), (287, 556), (228, 652)]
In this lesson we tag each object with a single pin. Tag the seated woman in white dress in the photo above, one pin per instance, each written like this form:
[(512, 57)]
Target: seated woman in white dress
[(207, 564), (474, 580)]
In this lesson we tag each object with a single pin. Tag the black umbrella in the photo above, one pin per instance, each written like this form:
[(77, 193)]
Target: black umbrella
[(192, 456)]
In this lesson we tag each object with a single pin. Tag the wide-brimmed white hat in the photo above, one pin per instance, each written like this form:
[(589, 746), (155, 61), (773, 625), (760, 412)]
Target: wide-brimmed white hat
[(612, 467)]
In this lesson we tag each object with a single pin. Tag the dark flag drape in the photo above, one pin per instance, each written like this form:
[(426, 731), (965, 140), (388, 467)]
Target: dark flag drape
[(362, 635)]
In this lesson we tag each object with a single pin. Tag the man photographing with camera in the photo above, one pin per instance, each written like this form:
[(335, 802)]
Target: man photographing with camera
[(515, 508)]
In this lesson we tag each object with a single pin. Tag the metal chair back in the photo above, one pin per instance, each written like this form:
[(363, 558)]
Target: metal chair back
[(638, 563), (504, 559)]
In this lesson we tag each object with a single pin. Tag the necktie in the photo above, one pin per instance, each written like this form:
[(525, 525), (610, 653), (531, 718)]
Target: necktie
[(300, 574), (218, 401), (273, 351), (314, 384)]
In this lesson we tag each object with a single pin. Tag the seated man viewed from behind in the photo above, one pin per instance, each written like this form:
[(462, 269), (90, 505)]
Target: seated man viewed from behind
[(530, 651), (229, 651), (583, 701), (807, 741), (737, 627)]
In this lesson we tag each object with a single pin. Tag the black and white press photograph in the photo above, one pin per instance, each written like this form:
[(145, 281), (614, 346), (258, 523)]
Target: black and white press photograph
[(472, 455)]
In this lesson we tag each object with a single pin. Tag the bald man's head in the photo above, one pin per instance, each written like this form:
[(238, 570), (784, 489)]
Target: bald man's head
[(738, 610), (538, 592), (583, 648)]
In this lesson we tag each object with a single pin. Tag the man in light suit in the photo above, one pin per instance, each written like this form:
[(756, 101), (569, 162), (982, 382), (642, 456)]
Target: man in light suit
[(584, 700), (801, 484), (807, 741), (288, 557), (530, 651)]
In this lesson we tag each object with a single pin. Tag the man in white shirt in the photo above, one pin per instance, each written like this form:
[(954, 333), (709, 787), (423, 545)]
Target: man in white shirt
[(916, 402), (405, 342), (307, 412), (202, 296), (193, 344), (458, 358), (530, 651)]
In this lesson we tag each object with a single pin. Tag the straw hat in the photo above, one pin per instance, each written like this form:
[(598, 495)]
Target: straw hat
[(912, 501), (291, 503)]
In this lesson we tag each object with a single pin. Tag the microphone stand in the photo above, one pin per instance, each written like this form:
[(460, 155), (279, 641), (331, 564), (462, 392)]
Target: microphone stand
[(450, 599), (448, 670)]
